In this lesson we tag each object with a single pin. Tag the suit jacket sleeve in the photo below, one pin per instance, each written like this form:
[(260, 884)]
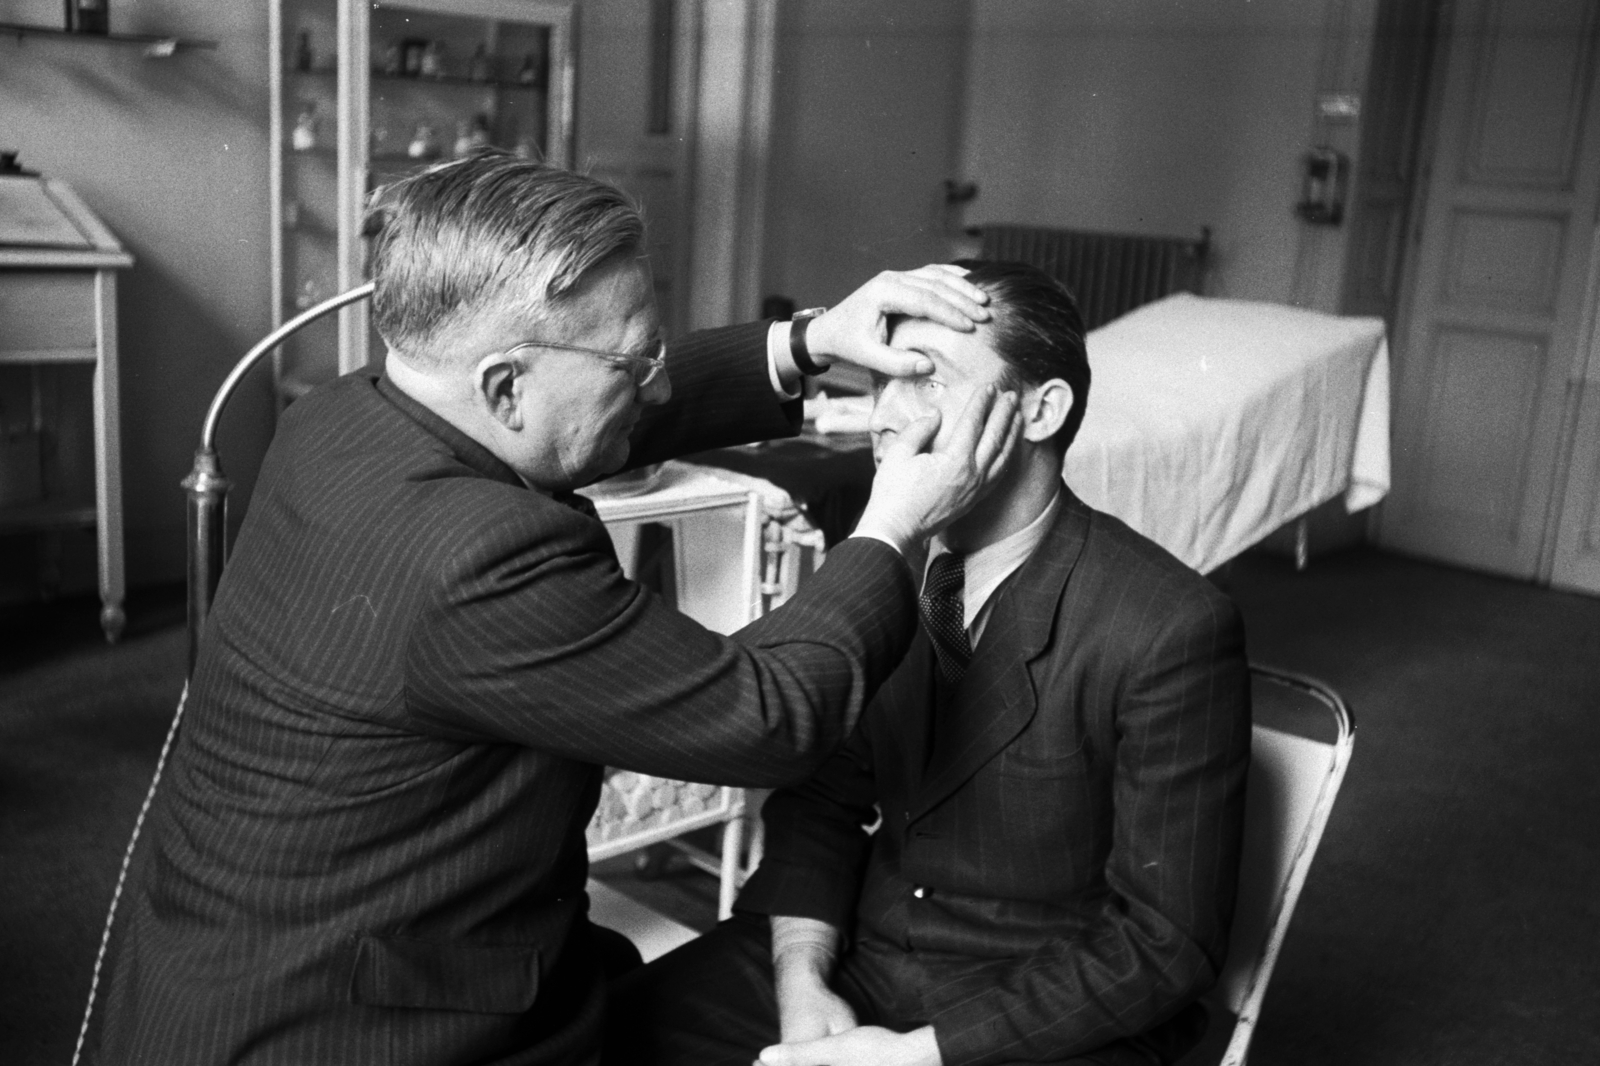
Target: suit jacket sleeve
[(533, 635), (1161, 934), (721, 396), (816, 841)]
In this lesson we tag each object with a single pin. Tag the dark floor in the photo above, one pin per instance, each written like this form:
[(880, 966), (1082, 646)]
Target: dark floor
[(1452, 915)]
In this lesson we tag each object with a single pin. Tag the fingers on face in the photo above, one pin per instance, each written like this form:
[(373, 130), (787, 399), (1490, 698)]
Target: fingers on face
[(1000, 434), (895, 362), (974, 417), (917, 434)]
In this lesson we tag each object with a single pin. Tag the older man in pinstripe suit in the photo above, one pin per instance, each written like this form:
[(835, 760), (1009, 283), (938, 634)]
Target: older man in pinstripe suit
[(369, 846), (1056, 771)]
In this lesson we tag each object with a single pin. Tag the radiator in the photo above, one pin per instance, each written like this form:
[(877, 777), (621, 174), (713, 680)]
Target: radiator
[(1109, 273)]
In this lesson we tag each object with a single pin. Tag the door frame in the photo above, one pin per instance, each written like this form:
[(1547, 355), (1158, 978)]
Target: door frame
[(728, 137)]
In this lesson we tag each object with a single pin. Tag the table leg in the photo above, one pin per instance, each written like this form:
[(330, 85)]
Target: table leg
[(108, 456), (732, 846)]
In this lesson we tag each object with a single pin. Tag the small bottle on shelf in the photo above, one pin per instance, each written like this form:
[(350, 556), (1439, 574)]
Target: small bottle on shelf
[(302, 51), (432, 60), (308, 295), (88, 16), (391, 64), (478, 69), (528, 73), (463, 143), (422, 144), (304, 136)]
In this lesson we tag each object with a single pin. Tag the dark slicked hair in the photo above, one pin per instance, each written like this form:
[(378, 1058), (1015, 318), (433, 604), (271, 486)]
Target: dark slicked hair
[(1037, 331), (490, 233)]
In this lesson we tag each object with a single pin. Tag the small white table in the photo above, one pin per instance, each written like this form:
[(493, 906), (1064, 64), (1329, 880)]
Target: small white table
[(58, 306), (737, 546)]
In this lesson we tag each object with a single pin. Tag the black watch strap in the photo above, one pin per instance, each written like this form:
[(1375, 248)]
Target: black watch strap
[(797, 343)]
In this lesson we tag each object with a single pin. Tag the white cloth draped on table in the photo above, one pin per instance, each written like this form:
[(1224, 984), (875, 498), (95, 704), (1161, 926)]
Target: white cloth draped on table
[(1212, 423)]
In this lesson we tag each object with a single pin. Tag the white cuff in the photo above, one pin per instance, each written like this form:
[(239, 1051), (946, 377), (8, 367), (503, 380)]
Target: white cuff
[(778, 355)]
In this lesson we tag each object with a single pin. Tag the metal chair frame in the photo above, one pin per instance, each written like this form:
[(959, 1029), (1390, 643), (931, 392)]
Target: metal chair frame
[(1243, 983), (207, 485)]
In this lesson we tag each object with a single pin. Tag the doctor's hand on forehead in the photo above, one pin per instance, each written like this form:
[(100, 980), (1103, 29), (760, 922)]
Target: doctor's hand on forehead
[(856, 330)]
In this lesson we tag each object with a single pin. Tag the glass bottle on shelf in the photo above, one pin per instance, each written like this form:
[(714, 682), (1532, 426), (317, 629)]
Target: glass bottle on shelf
[(528, 73), (302, 51), (422, 145), (309, 295), (88, 16), (304, 137), (478, 70), (463, 143), (432, 64), (391, 61)]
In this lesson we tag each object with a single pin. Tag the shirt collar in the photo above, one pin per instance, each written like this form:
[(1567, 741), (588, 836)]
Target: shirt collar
[(990, 565)]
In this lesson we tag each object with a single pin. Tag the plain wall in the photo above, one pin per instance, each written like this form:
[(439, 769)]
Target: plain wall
[(865, 129), (1148, 116), (172, 155)]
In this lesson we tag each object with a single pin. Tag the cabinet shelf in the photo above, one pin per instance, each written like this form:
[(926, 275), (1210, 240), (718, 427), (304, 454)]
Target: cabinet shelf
[(364, 121), (426, 80), (156, 45)]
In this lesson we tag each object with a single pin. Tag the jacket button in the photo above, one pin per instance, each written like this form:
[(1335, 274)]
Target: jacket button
[(919, 892)]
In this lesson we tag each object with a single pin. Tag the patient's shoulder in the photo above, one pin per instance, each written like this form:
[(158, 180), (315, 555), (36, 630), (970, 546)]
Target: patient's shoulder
[(1143, 572)]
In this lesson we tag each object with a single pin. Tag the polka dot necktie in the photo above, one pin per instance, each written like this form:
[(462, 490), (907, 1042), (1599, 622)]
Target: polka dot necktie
[(943, 611)]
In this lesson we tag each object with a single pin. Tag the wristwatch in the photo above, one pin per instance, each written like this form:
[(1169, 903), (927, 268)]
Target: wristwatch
[(797, 342)]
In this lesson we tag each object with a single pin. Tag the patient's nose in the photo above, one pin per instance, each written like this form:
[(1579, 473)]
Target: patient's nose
[(891, 407)]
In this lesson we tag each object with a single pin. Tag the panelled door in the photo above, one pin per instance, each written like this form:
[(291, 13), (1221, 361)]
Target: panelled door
[(1577, 563), (1497, 287)]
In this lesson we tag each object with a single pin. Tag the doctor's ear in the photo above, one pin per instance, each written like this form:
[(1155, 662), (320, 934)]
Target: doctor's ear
[(497, 385), (1044, 410)]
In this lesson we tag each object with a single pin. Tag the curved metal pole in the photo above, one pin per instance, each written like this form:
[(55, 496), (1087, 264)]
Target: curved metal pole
[(208, 488), (208, 431)]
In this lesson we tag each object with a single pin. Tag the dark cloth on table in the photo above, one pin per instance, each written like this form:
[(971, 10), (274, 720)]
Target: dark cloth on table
[(830, 483), (711, 1003), (368, 845)]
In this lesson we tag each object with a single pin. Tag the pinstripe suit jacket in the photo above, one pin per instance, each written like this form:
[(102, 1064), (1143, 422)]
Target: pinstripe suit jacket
[(369, 846), (1058, 871)]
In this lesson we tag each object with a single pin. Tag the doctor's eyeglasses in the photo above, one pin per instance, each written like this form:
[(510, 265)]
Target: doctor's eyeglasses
[(645, 369)]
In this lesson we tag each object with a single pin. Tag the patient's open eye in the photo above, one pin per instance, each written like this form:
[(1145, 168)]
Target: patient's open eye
[(929, 386)]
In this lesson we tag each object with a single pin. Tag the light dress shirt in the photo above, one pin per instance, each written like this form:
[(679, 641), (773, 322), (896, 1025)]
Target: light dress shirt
[(989, 566)]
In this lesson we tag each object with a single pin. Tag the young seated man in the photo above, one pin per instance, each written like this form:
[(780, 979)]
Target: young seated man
[(1056, 773)]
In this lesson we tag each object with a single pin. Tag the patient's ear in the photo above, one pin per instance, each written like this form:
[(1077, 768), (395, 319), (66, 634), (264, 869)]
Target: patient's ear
[(1044, 410), (498, 381)]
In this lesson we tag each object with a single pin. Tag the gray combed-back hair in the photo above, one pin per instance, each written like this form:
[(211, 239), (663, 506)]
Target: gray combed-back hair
[(492, 234)]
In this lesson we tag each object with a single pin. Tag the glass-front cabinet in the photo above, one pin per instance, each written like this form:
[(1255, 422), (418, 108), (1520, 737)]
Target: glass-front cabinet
[(366, 92)]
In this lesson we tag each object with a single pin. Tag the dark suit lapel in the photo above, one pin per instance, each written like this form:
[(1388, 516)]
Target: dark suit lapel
[(904, 703), (997, 699)]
